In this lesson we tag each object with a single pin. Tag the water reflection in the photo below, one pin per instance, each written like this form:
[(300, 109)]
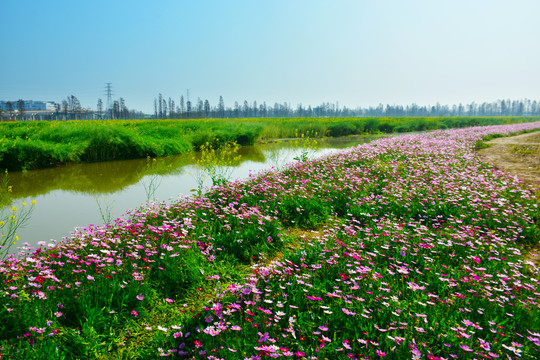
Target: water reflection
[(112, 176), (69, 196)]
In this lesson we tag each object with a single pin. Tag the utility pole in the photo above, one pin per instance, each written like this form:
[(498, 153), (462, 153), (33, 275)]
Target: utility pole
[(108, 94)]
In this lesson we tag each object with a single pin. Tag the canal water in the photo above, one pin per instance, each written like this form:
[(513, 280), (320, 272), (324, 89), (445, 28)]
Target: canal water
[(77, 195)]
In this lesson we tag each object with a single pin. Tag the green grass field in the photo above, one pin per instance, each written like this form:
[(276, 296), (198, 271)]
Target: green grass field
[(40, 144)]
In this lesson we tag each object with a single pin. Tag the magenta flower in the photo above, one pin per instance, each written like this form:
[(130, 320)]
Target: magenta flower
[(263, 337), (347, 312)]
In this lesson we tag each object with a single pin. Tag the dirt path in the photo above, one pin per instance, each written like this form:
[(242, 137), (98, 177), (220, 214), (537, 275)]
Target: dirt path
[(520, 156)]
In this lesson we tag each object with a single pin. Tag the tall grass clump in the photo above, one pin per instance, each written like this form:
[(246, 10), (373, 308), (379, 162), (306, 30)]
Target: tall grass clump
[(11, 217), (39, 144), (215, 161)]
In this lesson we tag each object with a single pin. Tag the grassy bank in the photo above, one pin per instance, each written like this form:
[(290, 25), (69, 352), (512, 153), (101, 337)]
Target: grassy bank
[(423, 259), (41, 144)]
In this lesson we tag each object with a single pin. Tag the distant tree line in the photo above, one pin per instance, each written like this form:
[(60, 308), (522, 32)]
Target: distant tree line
[(167, 108), (117, 110), (12, 106), (70, 109)]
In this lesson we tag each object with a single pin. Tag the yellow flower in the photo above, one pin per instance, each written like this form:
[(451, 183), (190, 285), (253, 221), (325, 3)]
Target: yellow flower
[(33, 202), (14, 209), (23, 204)]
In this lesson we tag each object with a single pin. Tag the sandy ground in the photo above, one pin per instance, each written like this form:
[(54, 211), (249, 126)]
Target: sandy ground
[(520, 156)]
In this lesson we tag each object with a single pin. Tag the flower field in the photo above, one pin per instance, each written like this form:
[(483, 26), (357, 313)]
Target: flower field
[(408, 247)]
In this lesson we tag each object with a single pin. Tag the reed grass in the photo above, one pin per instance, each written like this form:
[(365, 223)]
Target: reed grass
[(40, 144)]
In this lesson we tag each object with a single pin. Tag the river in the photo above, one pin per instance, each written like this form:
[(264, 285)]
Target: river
[(81, 194)]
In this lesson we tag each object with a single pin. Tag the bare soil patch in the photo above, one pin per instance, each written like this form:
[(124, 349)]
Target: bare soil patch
[(520, 156)]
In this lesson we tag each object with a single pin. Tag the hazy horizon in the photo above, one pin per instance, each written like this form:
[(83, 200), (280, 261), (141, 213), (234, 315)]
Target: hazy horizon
[(357, 53)]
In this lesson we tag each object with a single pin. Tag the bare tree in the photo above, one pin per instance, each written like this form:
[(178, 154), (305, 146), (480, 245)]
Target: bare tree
[(20, 107), (123, 109), (160, 106), (200, 107), (221, 107), (171, 108), (65, 108), (188, 109), (73, 106), (182, 106), (236, 110), (116, 109), (10, 108), (245, 109), (206, 108), (99, 108), (56, 110)]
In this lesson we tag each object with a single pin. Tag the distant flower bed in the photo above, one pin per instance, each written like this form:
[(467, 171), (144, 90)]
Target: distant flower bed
[(423, 259)]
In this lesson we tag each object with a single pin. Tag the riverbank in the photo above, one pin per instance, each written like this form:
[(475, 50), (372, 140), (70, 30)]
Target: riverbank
[(77, 191), (42, 144), (422, 257)]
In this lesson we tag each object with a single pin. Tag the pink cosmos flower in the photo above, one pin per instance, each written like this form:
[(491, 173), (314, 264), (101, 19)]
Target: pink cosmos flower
[(346, 311)]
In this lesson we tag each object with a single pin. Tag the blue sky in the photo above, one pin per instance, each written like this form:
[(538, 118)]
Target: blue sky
[(359, 53)]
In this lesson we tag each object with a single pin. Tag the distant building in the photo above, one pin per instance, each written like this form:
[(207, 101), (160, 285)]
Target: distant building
[(31, 105)]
